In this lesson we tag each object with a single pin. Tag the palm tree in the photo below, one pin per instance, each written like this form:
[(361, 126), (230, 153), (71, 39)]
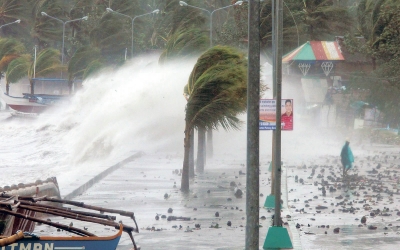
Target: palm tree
[(10, 49), (185, 42), (18, 68), (111, 41), (47, 63), (10, 10), (321, 19), (216, 95), (85, 61), (374, 24), (46, 30)]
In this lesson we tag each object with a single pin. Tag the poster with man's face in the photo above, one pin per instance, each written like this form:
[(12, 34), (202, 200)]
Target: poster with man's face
[(268, 114)]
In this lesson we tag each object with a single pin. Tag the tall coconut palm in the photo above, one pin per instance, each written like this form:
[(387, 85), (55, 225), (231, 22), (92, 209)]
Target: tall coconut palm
[(216, 95)]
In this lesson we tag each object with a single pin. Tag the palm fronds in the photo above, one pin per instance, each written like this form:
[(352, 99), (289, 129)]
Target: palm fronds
[(47, 62), (184, 43), (18, 68), (81, 59)]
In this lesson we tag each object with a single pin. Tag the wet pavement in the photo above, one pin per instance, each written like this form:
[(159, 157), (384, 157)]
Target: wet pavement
[(321, 202), (141, 185), (149, 186)]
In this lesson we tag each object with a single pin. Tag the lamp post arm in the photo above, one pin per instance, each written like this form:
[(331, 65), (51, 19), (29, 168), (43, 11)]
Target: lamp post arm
[(142, 15), (70, 21), (17, 21), (222, 8), (55, 18), (211, 18), (117, 13), (198, 8), (4, 25), (133, 20)]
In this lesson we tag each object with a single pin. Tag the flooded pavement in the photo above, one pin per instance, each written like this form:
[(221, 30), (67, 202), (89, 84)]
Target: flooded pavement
[(364, 210), (141, 186), (149, 186)]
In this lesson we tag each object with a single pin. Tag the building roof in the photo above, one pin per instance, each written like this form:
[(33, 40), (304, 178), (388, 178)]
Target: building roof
[(315, 51)]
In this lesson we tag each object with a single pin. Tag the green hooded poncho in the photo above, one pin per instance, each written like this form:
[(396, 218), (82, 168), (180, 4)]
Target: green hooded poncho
[(347, 156)]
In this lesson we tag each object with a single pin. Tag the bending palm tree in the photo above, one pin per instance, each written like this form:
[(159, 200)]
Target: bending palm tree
[(183, 43), (47, 62), (85, 61), (10, 49), (216, 95)]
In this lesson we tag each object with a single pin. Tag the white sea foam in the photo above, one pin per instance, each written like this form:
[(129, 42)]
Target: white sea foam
[(139, 107)]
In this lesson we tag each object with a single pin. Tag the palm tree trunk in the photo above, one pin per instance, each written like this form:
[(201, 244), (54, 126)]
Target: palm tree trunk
[(7, 88), (191, 154), (210, 149), (70, 82), (200, 150), (185, 168)]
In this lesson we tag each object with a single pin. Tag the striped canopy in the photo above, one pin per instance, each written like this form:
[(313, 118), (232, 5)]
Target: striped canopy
[(315, 51)]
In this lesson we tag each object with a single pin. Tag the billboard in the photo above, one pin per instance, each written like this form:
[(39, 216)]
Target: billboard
[(268, 114)]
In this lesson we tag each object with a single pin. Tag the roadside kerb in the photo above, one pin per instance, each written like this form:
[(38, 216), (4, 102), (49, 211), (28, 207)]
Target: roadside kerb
[(83, 188)]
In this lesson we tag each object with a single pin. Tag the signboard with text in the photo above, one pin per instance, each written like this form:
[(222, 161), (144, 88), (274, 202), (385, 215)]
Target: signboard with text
[(268, 114)]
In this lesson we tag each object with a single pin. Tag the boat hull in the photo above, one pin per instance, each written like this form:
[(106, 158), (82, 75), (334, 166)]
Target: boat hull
[(22, 104), (27, 108), (71, 244), (65, 243), (47, 187)]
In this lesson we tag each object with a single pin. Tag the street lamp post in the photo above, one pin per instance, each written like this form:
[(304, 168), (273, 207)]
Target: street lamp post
[(16, 21), (184, 4), (64, 23), (132, 20)]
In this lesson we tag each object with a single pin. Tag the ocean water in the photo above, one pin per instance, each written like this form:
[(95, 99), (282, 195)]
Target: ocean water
[(139, 107)]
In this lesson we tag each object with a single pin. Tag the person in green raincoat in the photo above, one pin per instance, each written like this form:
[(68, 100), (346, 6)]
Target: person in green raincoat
[(347, 157)]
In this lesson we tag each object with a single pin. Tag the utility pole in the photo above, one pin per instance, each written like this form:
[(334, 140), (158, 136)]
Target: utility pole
[(253, 139), (278, 92), (278, 236), (270, 200)]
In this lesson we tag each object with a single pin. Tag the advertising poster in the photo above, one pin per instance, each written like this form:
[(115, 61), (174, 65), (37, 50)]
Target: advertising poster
[(268, 114)]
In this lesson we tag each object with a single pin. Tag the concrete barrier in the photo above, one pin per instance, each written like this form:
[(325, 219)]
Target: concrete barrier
[(100, 176)]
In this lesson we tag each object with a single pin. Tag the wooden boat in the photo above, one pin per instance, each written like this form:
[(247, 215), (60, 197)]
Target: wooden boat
[(32, 103), (21, 241), (42, 97), (10, 224), (44, 205)]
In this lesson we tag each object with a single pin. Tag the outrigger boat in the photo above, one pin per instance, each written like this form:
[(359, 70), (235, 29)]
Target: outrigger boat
[(9, 225), (44, 205), (22, 240), (45, 93)]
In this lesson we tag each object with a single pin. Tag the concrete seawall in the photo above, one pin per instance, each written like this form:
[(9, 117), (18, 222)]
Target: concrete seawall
[(84, 187)]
